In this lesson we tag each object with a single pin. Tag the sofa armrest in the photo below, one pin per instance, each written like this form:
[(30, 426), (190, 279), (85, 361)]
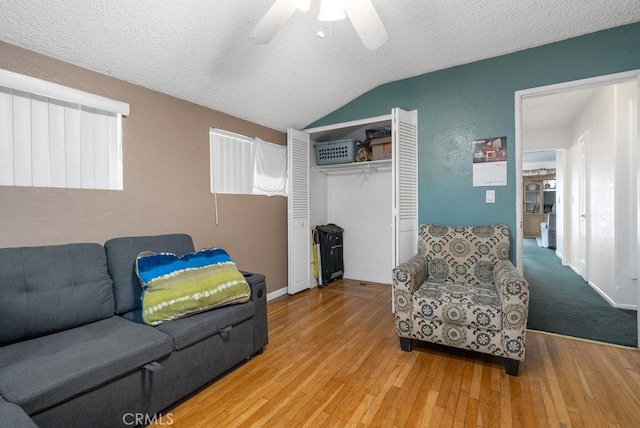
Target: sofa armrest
[(258, 286), (409, 275), (513, 290), (511, 286), (252, 278), (406, 279)]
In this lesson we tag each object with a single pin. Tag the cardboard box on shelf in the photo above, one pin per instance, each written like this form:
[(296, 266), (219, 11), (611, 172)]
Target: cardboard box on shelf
[(381, 148)]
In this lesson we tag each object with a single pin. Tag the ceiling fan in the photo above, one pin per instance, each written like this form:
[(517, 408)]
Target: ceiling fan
[(361, 13)]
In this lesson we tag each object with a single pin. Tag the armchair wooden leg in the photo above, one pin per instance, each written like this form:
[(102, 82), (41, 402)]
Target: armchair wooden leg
[(405, 344), (511, 367)]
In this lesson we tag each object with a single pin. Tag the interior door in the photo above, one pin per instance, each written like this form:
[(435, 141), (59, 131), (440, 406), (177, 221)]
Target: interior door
[(405, 184), (635, 131), (583, 204), (299, 232)]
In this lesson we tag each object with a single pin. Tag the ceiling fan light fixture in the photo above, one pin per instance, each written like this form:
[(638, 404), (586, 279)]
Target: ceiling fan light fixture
[(331, 10), (361, 13)]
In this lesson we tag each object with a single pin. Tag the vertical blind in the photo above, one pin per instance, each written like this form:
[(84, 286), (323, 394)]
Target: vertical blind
[(245, 165), (232, 159), (53, 136)]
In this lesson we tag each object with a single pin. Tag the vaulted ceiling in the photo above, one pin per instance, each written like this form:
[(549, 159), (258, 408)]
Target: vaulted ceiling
[(199, 50)]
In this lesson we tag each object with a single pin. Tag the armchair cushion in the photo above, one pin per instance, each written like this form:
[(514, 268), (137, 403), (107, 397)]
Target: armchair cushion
[(463, 254), (458, 303)]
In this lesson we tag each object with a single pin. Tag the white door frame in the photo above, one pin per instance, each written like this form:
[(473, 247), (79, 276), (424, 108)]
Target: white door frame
[(549, 90), (635, 152), (583, 207)]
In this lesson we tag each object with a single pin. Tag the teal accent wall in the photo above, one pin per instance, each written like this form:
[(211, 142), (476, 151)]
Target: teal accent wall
[(473, 101)]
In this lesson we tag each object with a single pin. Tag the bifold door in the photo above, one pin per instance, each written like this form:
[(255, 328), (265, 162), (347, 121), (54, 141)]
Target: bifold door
[(299, 230)]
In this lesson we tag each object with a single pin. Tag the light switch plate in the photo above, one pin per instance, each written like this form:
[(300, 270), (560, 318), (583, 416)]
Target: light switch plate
[(491, 196)]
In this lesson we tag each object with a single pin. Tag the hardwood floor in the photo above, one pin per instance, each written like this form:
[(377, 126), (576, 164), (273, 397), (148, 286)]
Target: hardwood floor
[(334, 359)]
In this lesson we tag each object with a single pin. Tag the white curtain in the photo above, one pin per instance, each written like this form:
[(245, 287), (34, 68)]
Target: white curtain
[(270, 171)]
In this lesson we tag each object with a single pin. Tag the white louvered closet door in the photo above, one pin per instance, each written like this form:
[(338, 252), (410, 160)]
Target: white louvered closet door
[(405, 184), (299, 231)]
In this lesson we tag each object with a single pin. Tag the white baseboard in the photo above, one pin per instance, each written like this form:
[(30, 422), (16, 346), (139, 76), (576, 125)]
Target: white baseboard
[(559, 255), (602, 294), (283, 291), (610, 301), (626, 306), (278, 293)]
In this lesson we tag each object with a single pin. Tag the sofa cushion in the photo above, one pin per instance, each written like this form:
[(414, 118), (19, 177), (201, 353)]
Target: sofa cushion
[(175, 287), (189, 330), (459, 303), (135, 316), (51, 288), (121, 259), (12, 415), (42, 372)]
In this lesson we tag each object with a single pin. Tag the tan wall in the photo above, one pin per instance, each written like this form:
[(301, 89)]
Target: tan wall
[(166, 180)]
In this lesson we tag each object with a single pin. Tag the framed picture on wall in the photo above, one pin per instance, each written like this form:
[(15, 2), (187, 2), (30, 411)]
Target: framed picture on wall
[(490, 162)]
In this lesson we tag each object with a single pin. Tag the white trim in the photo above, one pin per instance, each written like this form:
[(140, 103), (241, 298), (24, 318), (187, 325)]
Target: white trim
[(574, 269), (278, 293), (637, 174), (29, 84), (597, 81), (602, 294), (609, 79), (626, 306), (566, 196), (519, 195)]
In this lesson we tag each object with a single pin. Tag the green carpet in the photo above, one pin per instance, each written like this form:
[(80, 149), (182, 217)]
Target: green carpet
[(562, 302)]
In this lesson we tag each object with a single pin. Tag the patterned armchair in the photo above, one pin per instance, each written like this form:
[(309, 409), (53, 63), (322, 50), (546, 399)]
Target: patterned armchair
[(461, 290)]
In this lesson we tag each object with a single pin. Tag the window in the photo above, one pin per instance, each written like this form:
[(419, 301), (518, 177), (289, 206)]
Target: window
[(246, 165), (232, 160), (54, 136)]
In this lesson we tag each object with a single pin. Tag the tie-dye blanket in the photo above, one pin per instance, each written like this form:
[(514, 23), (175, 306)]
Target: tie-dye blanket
[(175, 287)]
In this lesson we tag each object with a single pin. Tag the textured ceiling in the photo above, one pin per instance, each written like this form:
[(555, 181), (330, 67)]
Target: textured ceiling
[(556, 110), (199, 50)]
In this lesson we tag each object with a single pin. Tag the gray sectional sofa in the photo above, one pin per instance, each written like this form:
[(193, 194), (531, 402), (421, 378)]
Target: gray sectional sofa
[(74, 351)]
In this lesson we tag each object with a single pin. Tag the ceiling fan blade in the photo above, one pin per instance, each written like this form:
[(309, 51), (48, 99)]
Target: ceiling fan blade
[(271, 22), (367, 23)]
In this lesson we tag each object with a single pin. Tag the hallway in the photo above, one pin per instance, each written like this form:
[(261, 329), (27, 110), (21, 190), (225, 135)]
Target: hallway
[(562, 302)]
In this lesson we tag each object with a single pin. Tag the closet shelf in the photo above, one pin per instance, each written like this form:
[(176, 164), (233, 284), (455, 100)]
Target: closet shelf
[(347, 168)]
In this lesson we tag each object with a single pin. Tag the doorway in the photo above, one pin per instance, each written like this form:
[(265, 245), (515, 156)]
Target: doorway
[(573, 199)]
